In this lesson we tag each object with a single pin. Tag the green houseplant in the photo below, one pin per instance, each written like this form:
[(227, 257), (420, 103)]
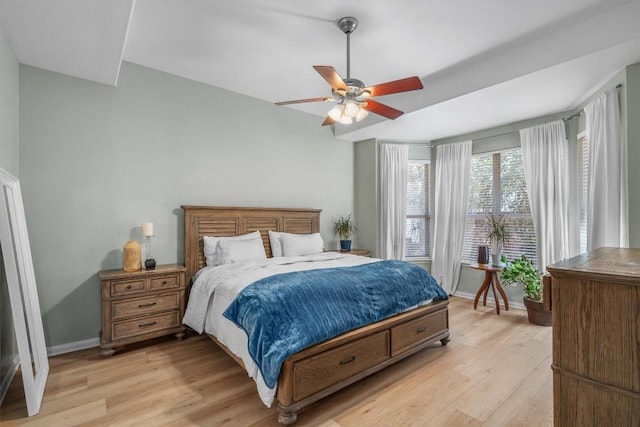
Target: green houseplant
[(496, 235), (344, 228), (521, 270)]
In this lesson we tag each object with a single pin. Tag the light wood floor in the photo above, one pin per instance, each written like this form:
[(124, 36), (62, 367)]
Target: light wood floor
[(494, 372)]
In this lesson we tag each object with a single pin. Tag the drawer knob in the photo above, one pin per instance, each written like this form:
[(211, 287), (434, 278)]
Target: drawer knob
[(347, 361), (151, 304), (128, 286), (423, 329), (164, 282), (144, 325)]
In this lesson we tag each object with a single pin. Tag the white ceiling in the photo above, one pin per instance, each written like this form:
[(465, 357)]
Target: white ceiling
[(483, 63)]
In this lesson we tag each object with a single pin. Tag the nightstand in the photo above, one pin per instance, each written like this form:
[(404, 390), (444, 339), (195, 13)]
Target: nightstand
[(140, 305), (360, 252)]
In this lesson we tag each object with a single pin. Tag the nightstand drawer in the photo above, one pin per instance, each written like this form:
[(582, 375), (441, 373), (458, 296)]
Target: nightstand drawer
[(127, 287), (135, 327), (142, 306), (165, 282)]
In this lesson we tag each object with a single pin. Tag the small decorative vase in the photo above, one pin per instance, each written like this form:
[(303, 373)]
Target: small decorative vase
[(483, 254), (345, 245), (150, 264), (132, 256)]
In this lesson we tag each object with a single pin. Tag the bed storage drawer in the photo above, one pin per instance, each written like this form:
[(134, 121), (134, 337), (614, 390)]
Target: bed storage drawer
[(318, 372), (417, 331)]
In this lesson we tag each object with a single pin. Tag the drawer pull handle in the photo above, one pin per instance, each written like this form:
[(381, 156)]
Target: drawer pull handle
[(151, 304), (423, 329), (128, 286), (164, 282), (144, 325), (347, 361)]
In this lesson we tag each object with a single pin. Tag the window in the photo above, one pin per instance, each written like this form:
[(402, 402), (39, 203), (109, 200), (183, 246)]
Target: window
[(583, 168), (497, 187), (417, 231)]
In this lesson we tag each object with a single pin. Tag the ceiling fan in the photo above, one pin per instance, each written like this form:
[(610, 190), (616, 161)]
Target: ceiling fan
[(353, 97)]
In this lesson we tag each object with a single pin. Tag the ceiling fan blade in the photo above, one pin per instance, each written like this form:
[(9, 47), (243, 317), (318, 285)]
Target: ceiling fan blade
[(396, 86), (300, 101), (328, 121), (382, 110), (332, 77)]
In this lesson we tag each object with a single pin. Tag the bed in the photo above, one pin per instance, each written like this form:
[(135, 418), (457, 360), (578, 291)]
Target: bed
[(324, 368)]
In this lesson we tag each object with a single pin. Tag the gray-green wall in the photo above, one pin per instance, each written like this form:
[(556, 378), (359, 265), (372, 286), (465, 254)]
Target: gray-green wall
[(97, 161), (632, 117), (9, 162)]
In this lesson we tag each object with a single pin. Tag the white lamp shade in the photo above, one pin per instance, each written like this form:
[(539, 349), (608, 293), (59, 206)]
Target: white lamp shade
[(147, 229)]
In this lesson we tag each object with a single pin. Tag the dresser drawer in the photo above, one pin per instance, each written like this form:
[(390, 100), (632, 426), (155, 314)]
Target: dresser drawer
[(318, 372), (142, 306), (127, 287), (416, 331), (164, 282), (131, 328)]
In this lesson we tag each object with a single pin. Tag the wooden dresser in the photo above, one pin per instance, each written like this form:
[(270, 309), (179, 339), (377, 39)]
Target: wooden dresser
[(140, 305), (596, 339)]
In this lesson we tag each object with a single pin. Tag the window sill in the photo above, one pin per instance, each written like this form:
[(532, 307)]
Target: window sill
[(417, 259)]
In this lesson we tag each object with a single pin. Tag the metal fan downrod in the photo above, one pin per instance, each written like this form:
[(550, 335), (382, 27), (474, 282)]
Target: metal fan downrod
[(348, 25)]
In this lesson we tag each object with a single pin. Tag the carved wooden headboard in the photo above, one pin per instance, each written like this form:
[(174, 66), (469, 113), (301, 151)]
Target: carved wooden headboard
[(232, 221)]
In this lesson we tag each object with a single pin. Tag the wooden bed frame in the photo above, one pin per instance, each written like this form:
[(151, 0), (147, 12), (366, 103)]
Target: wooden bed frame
[(329, 366)]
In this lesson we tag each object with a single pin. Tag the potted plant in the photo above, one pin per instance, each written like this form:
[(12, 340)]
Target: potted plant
[(521, 270), (344, 228), (497, 235)]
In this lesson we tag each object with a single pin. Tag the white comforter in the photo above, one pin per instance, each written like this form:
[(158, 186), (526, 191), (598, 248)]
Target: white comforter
[(216, 287)]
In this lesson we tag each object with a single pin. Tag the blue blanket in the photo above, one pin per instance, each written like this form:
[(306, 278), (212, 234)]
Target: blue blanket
[(285, 313)]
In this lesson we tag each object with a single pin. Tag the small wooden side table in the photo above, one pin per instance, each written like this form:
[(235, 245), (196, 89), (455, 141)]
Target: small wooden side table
[(490, 280), (360, 252)]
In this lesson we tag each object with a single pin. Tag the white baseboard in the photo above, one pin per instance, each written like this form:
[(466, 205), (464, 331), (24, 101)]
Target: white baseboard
[(51, 351), (73, 346), (518, 305)]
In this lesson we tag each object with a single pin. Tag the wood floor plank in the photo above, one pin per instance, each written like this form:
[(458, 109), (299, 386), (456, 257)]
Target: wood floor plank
[(494, 372)]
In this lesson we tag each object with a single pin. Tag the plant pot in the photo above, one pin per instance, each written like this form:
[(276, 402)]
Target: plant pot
[(537, 313), (495, 260), (345, 245)]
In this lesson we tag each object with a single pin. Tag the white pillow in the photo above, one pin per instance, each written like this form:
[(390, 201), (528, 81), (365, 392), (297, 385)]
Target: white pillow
[(276, 243), (211, 245), (241, 250), (301, 244)]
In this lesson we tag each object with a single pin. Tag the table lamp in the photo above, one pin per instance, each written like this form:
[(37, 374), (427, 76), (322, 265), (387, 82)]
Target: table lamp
[(147, 233)]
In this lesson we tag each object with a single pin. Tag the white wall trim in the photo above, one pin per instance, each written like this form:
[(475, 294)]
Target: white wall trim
[(512, 304), (73, 346)]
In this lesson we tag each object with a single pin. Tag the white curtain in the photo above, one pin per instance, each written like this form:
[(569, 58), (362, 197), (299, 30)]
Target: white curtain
[(544, 155), (607, 205), (394, 159), (453, 170)]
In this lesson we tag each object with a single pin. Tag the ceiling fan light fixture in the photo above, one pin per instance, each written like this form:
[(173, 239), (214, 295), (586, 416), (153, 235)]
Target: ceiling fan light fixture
[(337, 112), (361, 114), (346, 120), (351, 108)]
